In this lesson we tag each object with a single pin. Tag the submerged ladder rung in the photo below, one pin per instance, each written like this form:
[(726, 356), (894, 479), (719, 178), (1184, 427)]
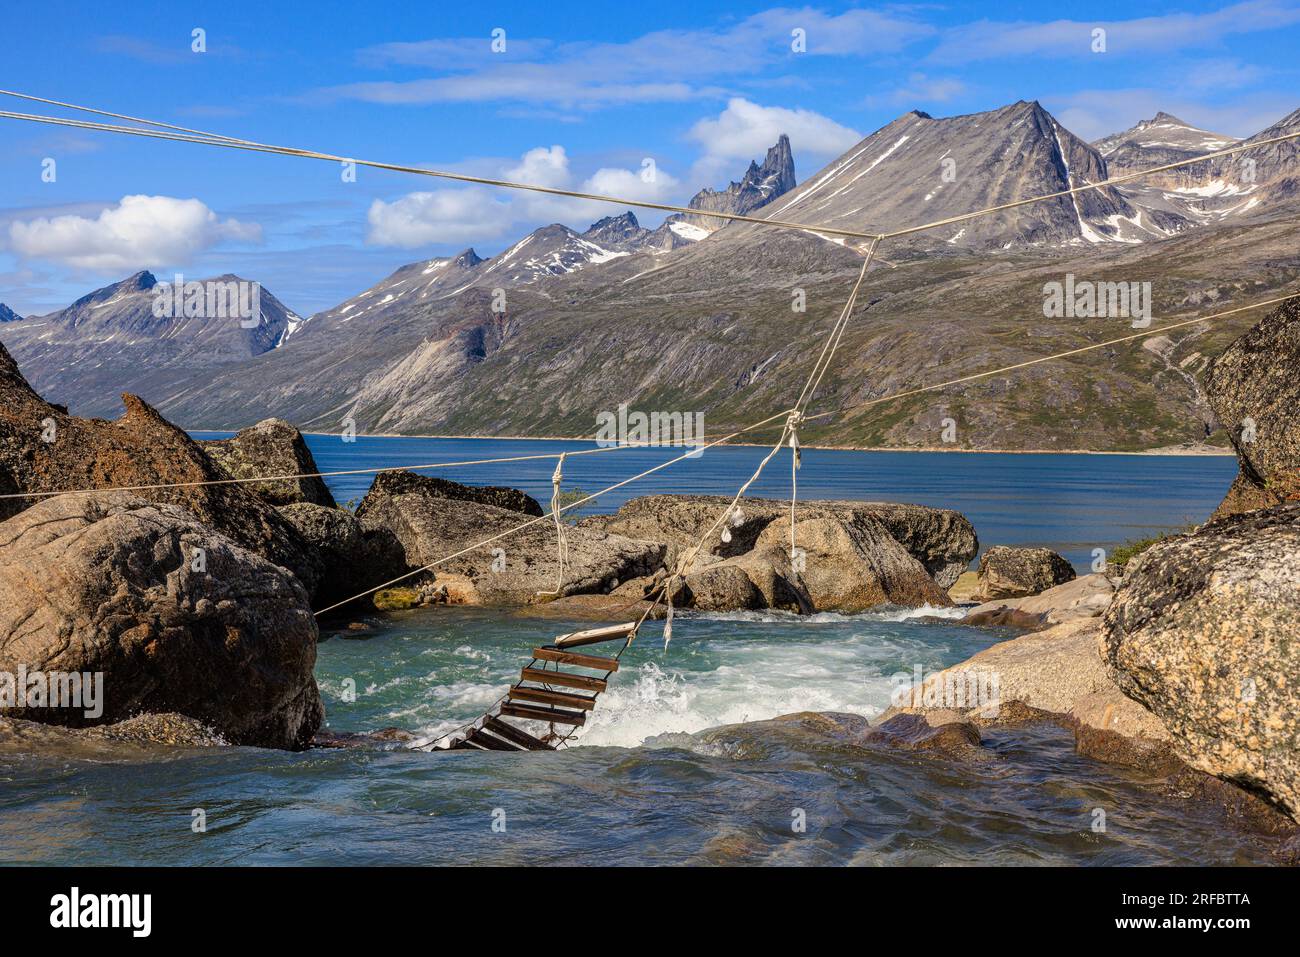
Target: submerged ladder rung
[(491, 742), (563, 679), (561, 698), (575, 659), (512, 734), (549, 715), (593, 635)]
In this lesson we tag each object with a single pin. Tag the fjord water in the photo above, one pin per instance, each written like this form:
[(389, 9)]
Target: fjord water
[(645, 786)]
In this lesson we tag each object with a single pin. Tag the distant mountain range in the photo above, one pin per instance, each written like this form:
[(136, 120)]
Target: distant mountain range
[(694, 316)]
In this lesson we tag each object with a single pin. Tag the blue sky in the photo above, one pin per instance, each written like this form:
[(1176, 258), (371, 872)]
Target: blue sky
[(582, 95)]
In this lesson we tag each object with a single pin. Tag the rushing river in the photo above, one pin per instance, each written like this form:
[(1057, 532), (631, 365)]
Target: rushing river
[(644, 786)]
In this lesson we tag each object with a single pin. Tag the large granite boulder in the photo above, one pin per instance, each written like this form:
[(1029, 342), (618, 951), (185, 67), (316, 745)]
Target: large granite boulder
[(356, 558), (176, 617), (1057, 672), (43, 449), (1254, 391), (1204, 632), (722, 587), (943, 541), (272, 447), (402, 482), (522, 566), (1007, 572), (1084, 597), (850, 566)]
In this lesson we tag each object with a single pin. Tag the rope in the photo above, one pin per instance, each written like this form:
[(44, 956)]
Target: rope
[(796, 459), (307, 475), (561, 537), (693, 453), (212, 139), (1062, 355), (186, 135)]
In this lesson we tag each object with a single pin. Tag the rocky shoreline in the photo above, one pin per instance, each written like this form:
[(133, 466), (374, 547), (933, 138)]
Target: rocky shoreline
[(194, 594)]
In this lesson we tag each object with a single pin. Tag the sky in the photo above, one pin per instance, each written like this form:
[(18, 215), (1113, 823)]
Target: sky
[(583, 95)]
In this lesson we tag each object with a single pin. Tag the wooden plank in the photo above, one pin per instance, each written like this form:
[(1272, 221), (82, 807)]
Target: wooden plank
[(562, 698), (573, 658), (513, 734), (465, 744), (563, 679), (549, 715), (593, 635), (492, 743)]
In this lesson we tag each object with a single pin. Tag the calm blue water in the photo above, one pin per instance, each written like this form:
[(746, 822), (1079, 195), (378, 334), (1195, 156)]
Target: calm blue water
[(1069, 503), (653, 780)]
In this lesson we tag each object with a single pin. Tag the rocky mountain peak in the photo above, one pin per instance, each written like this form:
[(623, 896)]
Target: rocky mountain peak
[(617, 232), (467, 259), (7, 314)]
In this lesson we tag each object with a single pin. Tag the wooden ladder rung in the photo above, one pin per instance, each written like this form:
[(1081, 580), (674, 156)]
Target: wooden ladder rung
[(575, 659), (549, 715), (563, 679), (593, 635), (514, 735), (465, 744), (491, 742), (561, 698)]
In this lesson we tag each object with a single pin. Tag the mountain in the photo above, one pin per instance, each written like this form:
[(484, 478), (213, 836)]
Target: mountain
[(759, 186), (112, 340), (1157, 141), (7, 314), (602, 317), (1228, 188), (920, 169)]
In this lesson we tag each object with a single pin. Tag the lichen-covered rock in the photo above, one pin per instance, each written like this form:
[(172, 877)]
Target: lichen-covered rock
[(272, 447), (43, 449), (176, 617), (521, 566), (1203, 632), (402, 482), (356, 559), (1254, 391), (1007, 572)]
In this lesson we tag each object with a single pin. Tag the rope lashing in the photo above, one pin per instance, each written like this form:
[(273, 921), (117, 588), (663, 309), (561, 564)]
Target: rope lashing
[(561, 536), (796, 459)]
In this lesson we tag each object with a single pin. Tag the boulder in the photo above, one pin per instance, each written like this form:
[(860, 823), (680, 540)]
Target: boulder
[(176, 617), (722, 587), (943, 541), (272, 447), (1203, 632), (1007, 572), (520, 567), (356, 559), (773, 575), (43, 449), (852, 566), (1085, 597), (1254, 391), (1058, 672), (402, 482)]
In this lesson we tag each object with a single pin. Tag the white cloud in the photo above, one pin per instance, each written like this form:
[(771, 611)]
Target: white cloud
[(1141, 36), (588, 75), (920, 90), (477, 214), (140, 231), (440, 216), (745, 130), (1092, 114)]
